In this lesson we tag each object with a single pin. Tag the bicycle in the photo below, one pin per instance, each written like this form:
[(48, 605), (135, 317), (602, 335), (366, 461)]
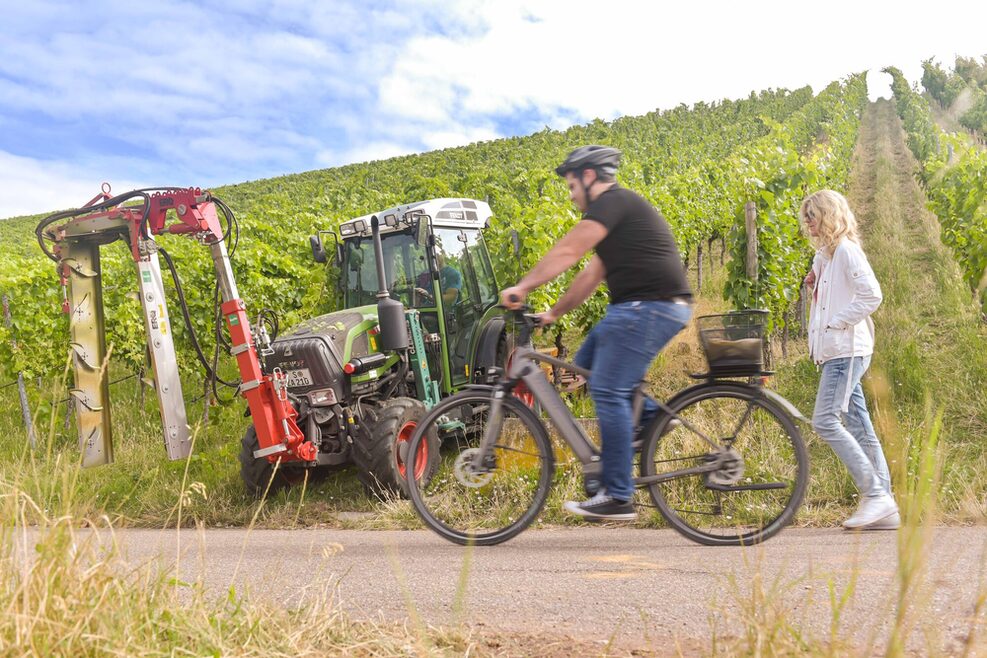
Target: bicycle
[(496, 475)]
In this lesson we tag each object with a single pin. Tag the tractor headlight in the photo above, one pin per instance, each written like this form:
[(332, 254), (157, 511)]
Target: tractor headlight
[(346, 229)]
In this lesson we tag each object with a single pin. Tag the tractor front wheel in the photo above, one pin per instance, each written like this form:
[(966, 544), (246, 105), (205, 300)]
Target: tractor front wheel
[(258, 474), (384, 465)]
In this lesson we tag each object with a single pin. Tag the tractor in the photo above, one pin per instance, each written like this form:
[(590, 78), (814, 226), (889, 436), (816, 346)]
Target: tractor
[(363, 376)]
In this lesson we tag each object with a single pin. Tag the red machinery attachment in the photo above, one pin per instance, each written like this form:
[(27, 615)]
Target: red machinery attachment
[(78, 234)]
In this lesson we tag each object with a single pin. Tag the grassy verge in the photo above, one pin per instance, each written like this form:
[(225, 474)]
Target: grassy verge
[(69, 592)]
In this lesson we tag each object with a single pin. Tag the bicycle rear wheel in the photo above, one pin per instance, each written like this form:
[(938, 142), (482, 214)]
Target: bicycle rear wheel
[(487, 507), (762, 474)]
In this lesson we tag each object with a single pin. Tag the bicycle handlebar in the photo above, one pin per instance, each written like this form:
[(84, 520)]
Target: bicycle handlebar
[(528, 321)]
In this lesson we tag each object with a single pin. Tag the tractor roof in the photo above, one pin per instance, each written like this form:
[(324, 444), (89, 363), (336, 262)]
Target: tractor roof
[(454, 213)]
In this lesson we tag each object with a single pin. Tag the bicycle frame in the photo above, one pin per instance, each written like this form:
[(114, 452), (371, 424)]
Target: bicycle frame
[(524, 369)]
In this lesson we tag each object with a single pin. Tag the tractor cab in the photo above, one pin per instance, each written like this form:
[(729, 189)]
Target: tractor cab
[(435, 261)]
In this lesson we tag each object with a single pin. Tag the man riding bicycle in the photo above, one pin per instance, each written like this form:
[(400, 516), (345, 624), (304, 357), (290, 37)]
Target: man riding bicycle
[(650, 302)]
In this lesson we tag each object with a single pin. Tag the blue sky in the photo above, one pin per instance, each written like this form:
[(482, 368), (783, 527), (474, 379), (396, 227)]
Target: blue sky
[(179, 93)]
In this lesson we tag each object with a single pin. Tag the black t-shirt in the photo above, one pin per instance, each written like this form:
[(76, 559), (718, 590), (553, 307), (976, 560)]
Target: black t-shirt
[(639, 252)]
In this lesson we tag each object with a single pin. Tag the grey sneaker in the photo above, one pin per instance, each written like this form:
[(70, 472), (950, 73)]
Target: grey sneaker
[(871, 510), (602, 507), (892, 522)]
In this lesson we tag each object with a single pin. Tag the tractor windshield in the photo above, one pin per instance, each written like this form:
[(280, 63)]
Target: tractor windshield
[(404, 266)]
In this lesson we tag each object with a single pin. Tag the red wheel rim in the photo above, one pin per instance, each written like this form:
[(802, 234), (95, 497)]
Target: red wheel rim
[(421, 459)]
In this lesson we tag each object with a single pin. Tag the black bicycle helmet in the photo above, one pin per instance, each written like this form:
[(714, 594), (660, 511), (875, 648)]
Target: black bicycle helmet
[(604, 159)]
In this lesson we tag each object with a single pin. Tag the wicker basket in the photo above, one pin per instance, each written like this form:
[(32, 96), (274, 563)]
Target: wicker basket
[(733, 342)]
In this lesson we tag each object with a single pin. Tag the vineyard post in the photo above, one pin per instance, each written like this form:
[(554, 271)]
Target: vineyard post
[(206, 392), (784, 333), (750, 224), (803, 310), (67, 419), (699, 267), (750, 217), (21, 391)]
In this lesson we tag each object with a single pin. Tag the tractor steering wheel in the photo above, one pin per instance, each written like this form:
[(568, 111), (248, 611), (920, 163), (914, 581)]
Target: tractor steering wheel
[(413, 292)]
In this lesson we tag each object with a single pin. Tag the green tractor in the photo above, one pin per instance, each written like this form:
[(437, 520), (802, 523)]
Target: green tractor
[(362, 377)]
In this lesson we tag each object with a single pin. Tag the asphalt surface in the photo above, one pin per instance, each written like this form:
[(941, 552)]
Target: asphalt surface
[(634, 586)]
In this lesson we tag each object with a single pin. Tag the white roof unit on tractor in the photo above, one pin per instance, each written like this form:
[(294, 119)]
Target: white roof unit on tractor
[(453, 213)]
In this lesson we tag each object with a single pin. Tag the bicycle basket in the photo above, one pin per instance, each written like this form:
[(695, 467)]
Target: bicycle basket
[(733, 342)]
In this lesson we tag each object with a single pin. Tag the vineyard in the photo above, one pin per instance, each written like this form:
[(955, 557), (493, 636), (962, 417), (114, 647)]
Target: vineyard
[(698, 165), (288, 416), (954, 173), (965, 87)]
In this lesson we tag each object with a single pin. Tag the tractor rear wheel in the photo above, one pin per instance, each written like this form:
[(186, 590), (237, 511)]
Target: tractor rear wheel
[(384, 464)]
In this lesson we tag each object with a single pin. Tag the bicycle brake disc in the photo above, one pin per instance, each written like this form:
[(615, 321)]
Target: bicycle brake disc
[(464, 472)]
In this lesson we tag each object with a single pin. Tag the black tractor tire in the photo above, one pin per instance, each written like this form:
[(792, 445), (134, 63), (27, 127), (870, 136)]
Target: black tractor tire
[(257, 473), (380, 465)]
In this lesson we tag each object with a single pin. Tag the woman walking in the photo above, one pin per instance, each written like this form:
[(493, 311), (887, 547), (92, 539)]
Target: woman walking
[(841, 340)]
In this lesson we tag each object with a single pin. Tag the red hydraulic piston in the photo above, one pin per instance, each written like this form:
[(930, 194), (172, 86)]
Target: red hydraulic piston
[(272, 413)]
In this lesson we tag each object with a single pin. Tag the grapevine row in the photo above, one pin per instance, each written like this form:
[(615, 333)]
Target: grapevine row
[(697, 165), (954, 174)]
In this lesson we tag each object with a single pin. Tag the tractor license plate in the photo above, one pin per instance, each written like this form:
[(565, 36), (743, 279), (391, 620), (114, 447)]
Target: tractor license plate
[(296, 378)]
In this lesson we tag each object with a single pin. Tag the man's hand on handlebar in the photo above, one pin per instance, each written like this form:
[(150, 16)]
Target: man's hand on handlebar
[(546, 318), (513, 298)]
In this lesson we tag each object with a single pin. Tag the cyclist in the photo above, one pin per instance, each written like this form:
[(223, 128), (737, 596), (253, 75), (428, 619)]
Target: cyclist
[(650, 302)]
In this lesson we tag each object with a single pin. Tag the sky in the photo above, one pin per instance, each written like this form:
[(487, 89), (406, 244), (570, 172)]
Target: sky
[(224, 91)]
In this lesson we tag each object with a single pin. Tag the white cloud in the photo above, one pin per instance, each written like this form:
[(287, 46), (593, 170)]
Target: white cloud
[(31, 186), (633, 57), (176, 92), (457, 137), (363, 153)]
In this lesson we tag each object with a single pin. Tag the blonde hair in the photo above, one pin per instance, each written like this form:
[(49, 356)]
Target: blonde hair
[(833, 218)]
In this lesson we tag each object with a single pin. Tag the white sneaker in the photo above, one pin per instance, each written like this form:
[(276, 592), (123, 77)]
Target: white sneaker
[(892, 522), (872, 510)]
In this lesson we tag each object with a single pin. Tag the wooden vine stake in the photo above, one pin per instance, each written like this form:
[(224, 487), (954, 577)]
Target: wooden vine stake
[(22, 392), (750, 223), (750, 219)]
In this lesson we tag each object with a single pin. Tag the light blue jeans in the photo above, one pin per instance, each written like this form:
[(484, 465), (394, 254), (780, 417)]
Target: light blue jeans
[(851, 433), (618, 352)]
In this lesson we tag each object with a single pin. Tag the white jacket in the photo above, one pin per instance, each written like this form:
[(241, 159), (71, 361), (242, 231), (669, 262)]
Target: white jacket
[(846, 293)]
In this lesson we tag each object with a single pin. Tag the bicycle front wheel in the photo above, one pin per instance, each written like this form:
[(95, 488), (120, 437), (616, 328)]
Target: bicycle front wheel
[(761, 474), (493, 504)]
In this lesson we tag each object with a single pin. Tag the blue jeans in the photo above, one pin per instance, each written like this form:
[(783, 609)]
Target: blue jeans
[(850, 433), (618, 352)]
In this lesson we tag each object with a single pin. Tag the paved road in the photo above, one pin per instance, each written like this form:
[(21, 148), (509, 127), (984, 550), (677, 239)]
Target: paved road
[(592, 583)]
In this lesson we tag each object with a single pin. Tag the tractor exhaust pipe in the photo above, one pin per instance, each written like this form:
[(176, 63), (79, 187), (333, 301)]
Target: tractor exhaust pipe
[(390, 312)]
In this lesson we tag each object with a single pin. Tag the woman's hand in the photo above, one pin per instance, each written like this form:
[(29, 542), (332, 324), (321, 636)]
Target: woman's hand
[(810, 279)]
